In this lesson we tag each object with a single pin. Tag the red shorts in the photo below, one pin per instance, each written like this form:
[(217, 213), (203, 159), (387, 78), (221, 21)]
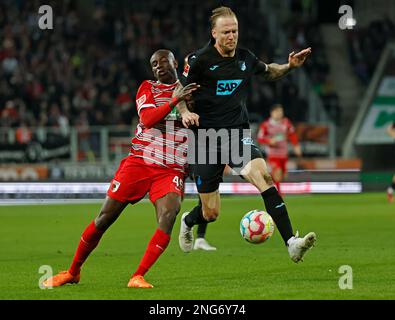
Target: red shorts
[(135, 178), (278, 163)]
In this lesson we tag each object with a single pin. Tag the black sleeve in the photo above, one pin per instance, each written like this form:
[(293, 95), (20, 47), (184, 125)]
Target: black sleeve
[(258, 66), (191, 71)]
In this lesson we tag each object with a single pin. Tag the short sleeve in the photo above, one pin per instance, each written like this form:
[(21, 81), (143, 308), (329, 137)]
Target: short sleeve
[(258, 66), (144, 98)]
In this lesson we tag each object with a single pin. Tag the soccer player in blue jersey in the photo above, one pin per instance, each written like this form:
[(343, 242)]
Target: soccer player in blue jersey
[(223, 70)]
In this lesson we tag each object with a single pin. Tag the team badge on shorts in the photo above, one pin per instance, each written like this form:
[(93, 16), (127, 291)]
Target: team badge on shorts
[(198, 180)]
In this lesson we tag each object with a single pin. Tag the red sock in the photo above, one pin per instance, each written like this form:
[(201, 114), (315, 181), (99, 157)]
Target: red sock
[(89, 240), (155, 248)]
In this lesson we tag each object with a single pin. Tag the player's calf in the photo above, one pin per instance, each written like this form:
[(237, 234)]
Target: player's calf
[(167, 209), (274, 203), (210, 214), (166, 221), (156, 246)]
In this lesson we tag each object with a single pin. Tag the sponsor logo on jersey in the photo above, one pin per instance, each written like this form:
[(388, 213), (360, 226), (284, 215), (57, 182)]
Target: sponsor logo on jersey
[(227, 87)]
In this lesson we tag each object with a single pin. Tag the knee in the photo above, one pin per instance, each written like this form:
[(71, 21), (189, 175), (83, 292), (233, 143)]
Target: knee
[(260, 177), (169, 214), (104, 220), (210, 214), (277, 174), (167, 218), (101, 223), (268, 179)]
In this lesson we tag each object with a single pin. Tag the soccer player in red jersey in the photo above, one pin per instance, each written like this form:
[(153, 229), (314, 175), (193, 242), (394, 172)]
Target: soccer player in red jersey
[(275, 133), (155, 165)]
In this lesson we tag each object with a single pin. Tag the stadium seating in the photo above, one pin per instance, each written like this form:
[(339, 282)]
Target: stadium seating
[(89, 72)]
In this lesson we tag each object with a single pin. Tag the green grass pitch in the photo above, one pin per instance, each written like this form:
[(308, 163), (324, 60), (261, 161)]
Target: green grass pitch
[(353, 230)]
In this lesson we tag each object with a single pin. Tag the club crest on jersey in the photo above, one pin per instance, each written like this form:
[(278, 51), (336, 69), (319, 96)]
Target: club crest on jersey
[(242, 65), (247, 141), (227, 87)]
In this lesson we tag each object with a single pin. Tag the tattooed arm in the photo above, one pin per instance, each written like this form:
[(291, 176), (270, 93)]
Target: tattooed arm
[(276, 71)]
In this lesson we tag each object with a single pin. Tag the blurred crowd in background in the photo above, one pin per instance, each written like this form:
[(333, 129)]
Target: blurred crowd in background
[(366, 45), (86, 71)]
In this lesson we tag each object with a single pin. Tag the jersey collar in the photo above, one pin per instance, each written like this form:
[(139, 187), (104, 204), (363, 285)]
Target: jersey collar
[(166, 84)]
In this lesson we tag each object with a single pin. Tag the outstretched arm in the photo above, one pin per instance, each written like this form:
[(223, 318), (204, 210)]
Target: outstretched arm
[(295, 60)]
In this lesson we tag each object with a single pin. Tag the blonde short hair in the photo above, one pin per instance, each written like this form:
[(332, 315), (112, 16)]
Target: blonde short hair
[(220, 12)]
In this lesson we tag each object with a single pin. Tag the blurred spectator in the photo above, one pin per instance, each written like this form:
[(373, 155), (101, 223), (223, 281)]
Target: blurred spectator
[(84, 135), (23, 134), (124, 104), (58, 121), (96, 65), (9, 115), (366, 44), (304, 31), (91, 65)]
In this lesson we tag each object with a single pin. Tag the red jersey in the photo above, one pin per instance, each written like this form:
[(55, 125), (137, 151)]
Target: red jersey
[(282, 131), (160, 137)]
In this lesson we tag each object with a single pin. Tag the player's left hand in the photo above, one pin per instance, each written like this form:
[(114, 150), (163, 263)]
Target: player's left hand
[(295, 60), (190, 119)]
